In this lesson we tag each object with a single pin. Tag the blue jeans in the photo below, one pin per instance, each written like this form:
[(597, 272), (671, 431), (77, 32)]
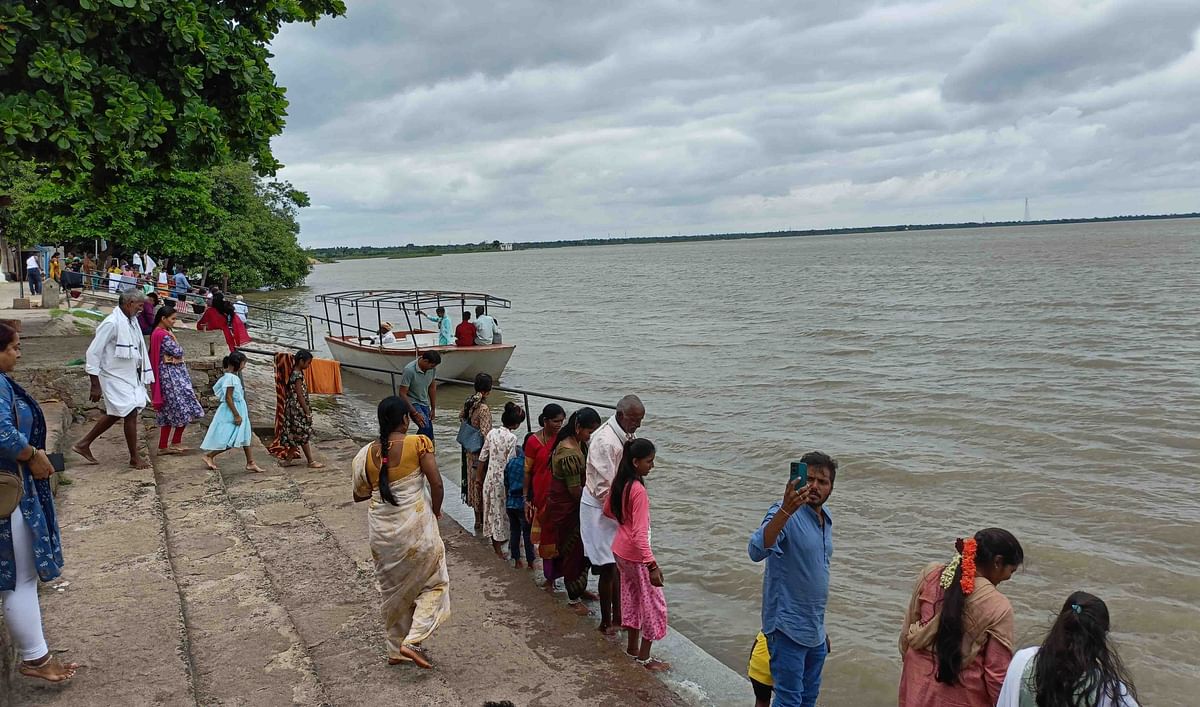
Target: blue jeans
[(35, 282), (518, 527), (427, 428), (796, 670)]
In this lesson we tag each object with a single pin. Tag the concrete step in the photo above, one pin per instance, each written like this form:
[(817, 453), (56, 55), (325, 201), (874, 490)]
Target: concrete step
[(116, 607), (243, 644)]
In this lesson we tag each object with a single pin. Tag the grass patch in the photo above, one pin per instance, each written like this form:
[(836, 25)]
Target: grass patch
[(87, 314), (323, 403), (83, 328), (57, 313)]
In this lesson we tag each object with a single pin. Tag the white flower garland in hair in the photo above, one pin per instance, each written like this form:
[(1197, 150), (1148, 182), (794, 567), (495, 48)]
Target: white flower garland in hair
[(948, 573)]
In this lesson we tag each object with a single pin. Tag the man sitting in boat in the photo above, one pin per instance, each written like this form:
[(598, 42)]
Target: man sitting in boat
[(383, 336), (485, 327), (464, 334)]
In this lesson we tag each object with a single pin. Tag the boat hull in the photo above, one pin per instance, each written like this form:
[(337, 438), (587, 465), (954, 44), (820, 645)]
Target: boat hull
[(461, 363)]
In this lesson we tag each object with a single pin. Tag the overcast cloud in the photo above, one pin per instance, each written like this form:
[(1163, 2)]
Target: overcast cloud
[(447, 122)]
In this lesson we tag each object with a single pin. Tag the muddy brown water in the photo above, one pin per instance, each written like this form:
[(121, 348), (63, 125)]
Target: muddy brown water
[(1042, 379)]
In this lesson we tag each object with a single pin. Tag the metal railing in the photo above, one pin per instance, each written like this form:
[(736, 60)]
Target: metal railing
[(525, 394), (284, 327)]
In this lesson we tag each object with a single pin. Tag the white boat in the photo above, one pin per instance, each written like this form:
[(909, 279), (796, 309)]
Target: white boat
[(354, 345)]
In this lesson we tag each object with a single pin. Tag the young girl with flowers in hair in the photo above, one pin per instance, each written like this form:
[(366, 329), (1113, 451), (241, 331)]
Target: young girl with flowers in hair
[(1076, 666), (957, 638), (643, 607)]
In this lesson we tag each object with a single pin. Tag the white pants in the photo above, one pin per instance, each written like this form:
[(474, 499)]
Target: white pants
[(22, 613), (597, 530)]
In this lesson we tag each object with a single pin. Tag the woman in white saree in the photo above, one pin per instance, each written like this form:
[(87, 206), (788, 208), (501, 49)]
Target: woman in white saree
[(410, 558)]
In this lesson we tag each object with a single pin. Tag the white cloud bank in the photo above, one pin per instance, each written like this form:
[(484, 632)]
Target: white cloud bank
[(464, 121)]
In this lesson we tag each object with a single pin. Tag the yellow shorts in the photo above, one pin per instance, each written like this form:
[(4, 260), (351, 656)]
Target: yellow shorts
[(759, 669)]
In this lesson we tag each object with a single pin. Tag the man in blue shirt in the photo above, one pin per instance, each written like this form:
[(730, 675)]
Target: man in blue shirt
[(181, 285), (796, 540), (443, 323)]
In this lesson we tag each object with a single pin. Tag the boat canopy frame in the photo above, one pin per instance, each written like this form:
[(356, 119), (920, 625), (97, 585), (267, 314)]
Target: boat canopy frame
[(406, 302)]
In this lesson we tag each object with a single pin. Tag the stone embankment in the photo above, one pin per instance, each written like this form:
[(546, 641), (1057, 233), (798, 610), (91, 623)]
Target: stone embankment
[(189, 587)]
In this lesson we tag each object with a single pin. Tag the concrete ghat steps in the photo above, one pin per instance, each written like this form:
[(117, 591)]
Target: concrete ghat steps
[(242, 641), (115, 609)]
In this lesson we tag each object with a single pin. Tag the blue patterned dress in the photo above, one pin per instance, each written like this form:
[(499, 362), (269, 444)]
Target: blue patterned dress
[(37, 503), (179, 407)]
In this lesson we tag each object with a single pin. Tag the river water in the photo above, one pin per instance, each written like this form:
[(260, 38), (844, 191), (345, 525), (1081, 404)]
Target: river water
[(1041, 379)]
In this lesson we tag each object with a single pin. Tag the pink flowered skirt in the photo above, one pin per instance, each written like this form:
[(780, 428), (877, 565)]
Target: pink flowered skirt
[(643, 605)]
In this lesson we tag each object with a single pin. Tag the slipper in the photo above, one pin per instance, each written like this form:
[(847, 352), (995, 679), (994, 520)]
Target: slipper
[(416, 657)]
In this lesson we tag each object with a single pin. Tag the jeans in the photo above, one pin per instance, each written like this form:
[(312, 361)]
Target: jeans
[(35, 282), (796, 670), (518, 527), (427, 428)]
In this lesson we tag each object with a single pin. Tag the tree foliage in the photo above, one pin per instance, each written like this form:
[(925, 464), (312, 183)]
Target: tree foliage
[(109, 88), (225, 219)]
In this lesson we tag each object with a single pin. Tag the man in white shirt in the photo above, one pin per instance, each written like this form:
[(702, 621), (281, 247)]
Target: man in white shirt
[(33, 270), (119, 366), (485, 327), (605, 450)]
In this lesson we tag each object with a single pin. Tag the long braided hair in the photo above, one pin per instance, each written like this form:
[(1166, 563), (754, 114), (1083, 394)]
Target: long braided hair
[(393, 415)]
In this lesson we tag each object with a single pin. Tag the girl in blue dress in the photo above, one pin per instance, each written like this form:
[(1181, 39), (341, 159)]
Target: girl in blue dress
[(231, 424)]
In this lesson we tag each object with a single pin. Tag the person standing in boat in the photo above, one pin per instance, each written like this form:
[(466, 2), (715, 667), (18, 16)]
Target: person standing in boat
[(443, 323), (485, 327), (418, 388), (598, 531), (464, 333)]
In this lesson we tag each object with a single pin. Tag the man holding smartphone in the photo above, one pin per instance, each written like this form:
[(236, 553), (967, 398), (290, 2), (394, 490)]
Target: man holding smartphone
[(796, 540)]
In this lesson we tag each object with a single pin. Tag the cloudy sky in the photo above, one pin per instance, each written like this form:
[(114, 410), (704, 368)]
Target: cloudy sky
[(459, 121)]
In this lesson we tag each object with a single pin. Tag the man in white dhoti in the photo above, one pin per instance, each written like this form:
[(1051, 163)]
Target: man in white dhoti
[(605, 450), (119, 366)]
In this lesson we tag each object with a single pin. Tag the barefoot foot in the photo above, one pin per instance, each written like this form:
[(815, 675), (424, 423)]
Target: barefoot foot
[(581, 610), (138, 463), (49, 668), (316, 465), (85, 452), (254, 468), (655, 665), (208, 462)]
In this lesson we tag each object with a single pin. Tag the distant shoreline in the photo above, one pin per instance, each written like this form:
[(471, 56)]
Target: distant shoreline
[(408, 251)]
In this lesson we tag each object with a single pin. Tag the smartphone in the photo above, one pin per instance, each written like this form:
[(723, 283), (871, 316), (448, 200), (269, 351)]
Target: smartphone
[(799, 473)]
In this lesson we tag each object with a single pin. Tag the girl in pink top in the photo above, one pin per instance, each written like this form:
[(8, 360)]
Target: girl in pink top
[(643, 607)]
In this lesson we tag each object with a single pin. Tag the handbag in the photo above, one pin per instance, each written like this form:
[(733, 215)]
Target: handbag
[(470, 437), (12, 486)]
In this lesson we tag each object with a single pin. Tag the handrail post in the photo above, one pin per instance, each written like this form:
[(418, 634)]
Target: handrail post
[(528, 424)]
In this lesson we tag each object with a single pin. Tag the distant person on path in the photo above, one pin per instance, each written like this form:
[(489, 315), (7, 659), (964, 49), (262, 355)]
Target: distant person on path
[(605, 450), (230, 427), (485, 327), (30, 546), (643, 606), (537, 480), (182, 286), (161, 288), (172, 393), (759, 672), (222, 317), (293, 418), (406, 545), (796, 540), (561, 541), (1076, 666), (418, 388), (33, 271), (241, 309), (476, 416), (56, 269), (148, 314), (957, 637), (119, 365), (443, 323), (464, 333), (498, 449)]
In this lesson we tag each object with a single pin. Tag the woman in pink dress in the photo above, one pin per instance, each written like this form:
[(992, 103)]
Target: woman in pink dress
[(957, 638)]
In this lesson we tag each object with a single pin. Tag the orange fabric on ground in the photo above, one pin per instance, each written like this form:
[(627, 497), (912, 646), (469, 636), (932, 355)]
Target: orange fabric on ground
[(324, 377)]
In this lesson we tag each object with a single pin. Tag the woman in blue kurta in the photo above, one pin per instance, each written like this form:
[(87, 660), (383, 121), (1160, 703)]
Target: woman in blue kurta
[(29, 542)]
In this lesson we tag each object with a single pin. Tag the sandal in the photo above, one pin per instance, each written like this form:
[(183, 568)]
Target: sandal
[(51, 669)]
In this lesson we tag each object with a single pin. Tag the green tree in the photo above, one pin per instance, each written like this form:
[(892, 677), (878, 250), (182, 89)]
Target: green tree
[(226, 219), (109, 88)]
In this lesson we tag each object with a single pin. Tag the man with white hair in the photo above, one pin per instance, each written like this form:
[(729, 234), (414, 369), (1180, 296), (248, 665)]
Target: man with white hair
[(605, 450), (119, 366)]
